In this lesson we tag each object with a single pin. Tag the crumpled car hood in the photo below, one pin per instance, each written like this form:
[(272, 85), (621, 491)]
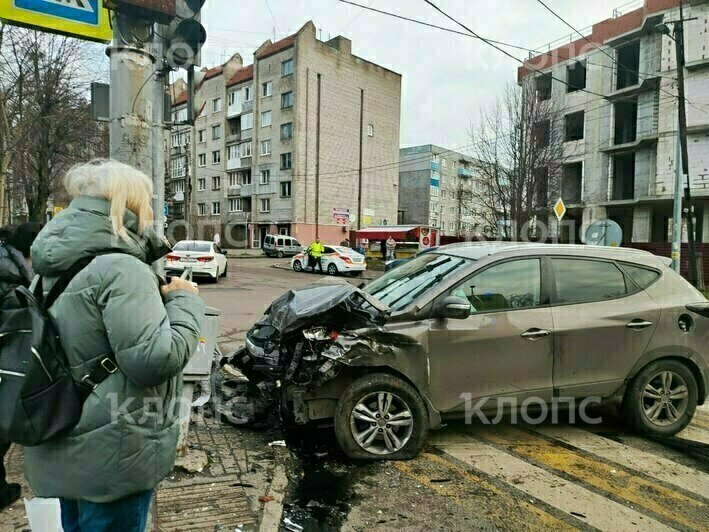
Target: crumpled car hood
[(342, 304)]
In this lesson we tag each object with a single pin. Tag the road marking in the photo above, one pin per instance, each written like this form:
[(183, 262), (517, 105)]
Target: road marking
[(562, 494), (536, 518), (642, 492), (648, 463)]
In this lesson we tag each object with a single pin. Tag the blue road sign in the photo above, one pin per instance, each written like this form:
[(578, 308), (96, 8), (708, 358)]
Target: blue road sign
[(85, 11), (167, 210), (86, 19)]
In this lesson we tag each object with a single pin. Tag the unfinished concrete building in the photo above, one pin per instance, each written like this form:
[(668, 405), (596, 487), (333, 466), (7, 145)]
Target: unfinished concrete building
[(618, 94)]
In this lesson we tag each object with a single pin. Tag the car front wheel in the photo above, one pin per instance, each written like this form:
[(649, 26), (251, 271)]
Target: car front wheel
[(297, 266), (661, 399), (380, 416), (332, 269)]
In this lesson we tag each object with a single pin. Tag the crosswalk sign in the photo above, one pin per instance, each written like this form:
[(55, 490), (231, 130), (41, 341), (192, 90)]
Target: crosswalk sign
[(84, 19)]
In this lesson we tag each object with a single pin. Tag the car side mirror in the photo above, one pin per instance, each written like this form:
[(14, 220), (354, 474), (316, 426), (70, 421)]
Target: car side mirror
[(454, 308)]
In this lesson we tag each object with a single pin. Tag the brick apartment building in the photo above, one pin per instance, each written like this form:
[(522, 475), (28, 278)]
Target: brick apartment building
[(621, 141), (307, 130), (437, 188)]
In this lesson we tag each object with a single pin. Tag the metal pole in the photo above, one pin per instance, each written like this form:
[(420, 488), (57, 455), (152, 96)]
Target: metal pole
[(132, 66), (158, 136), (682, 115), (677, 216)]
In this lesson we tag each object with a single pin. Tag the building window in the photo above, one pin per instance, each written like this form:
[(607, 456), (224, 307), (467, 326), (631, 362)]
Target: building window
[(576, 76), (287, 130), (232, 97), (370, 130), (216, 157), (202, 183), (628, 65), (452, 210), (232, 152), (541, 133), (181, 115), (266, 89), (287, 67), (443, 194), (202, 159), (216, 132), (543, 87), (216, 105), (444, 163), (236, 205), (626, 121), (248, 93), (265, 205), (247, 121), (266, 119), (202, 135), (265, 147), (216, 208), (246, 177), (265, 177), (245, 149), (286, 189), (286, 161), (434, 190), (216, 182), (233, 179), (202, 209), (178, 167), (287, 99), (572, 183), (574, 126), (179, 186)]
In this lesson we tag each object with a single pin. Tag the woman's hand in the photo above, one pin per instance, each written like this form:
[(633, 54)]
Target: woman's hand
[(179, 284)]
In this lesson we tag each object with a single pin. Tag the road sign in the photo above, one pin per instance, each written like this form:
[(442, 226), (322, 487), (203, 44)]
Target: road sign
[(84, 19), (559, 209), (341, 216)]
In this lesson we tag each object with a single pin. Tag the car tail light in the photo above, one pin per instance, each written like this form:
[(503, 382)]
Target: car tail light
[(205, 259), (173, 257), (346, 259)]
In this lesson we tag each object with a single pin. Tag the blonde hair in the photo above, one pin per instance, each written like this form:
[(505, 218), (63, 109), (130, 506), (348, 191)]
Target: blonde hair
[(124, 186)]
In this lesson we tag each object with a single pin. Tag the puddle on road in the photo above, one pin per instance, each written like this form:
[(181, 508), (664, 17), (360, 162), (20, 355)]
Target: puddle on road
[(322, 491)]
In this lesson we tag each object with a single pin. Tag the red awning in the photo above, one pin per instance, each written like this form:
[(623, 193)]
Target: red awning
[(396, 232)]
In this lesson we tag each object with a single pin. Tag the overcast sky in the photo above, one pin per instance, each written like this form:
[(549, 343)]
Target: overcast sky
[(446, 77)]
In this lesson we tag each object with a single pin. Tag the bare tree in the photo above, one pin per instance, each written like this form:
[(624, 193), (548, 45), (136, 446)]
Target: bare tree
[(518, 145), (45, 118)]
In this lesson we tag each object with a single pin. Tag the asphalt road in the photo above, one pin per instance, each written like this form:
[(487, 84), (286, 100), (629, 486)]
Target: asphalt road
[(531, 477)]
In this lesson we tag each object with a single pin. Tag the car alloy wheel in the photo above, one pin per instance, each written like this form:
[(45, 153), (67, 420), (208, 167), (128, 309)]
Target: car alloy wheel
[(332, 269), (298, 266), (381, 423), (665, 398), (281, 254)]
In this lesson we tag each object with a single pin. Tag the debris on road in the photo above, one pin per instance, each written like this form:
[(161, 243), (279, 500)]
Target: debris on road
[(267, 498), (277, 443), (290, 525)]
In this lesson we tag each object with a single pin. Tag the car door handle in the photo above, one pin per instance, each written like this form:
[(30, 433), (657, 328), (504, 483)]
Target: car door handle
[(535, 333), (638, 324)]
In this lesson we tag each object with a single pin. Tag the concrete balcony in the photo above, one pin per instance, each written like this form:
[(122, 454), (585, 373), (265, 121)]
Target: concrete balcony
[(234, 164), (233, 190), (436, 166), (233, 138), (247, 190), (465, 172), (239, 108)]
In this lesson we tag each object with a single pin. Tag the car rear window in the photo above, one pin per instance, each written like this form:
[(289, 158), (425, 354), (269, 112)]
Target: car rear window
[(192, 246), (643, 277), (578, 280)]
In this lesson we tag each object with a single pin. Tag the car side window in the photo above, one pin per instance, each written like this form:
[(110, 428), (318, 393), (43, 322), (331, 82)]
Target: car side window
[(280, 242), (579, 280), (510, 285), (329, 250), (643, 277)]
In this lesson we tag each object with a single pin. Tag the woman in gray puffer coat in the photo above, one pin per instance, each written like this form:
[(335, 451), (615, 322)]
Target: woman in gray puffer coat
[(104, 470)]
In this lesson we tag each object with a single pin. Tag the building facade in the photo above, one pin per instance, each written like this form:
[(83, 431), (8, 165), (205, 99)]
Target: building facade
[(437, 188), (307, 131), (619, 101)]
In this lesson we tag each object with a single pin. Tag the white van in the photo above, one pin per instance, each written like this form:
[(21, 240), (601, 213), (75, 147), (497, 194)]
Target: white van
[(281, 246)]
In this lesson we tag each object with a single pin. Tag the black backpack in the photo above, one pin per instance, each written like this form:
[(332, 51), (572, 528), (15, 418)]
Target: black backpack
[(39, 398)]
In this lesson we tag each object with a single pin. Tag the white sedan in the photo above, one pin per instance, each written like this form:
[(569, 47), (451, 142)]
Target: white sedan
[(203, 257), (336, 259)]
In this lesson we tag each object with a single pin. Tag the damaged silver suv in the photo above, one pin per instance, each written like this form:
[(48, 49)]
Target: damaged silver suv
[(486, 325)]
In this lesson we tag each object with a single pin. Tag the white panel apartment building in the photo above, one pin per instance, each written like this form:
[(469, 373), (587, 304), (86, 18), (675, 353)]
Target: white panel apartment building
[(307, 129), (621, 134)]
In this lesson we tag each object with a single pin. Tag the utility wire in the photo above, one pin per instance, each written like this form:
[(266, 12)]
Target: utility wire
[(272, 17)]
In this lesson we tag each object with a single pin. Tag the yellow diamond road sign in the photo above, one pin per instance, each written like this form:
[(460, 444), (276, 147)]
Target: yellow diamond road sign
[(84, 19), (559, 209)]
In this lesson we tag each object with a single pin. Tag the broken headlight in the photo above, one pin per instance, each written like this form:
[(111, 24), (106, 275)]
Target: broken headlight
[(316, 333)]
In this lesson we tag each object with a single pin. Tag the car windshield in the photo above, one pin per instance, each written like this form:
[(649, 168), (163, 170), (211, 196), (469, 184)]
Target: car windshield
[(192, 246), (403, 285)]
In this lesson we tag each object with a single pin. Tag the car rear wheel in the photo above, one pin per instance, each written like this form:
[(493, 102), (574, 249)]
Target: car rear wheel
[(281, 254), (297, 266), (381, 417), (661, 399), (332, 269)]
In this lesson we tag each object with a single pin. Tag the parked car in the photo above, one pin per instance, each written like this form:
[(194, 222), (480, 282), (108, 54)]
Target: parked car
[(485, 325), (281, 246), (203, 257), (336, 259), (390, 265)]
